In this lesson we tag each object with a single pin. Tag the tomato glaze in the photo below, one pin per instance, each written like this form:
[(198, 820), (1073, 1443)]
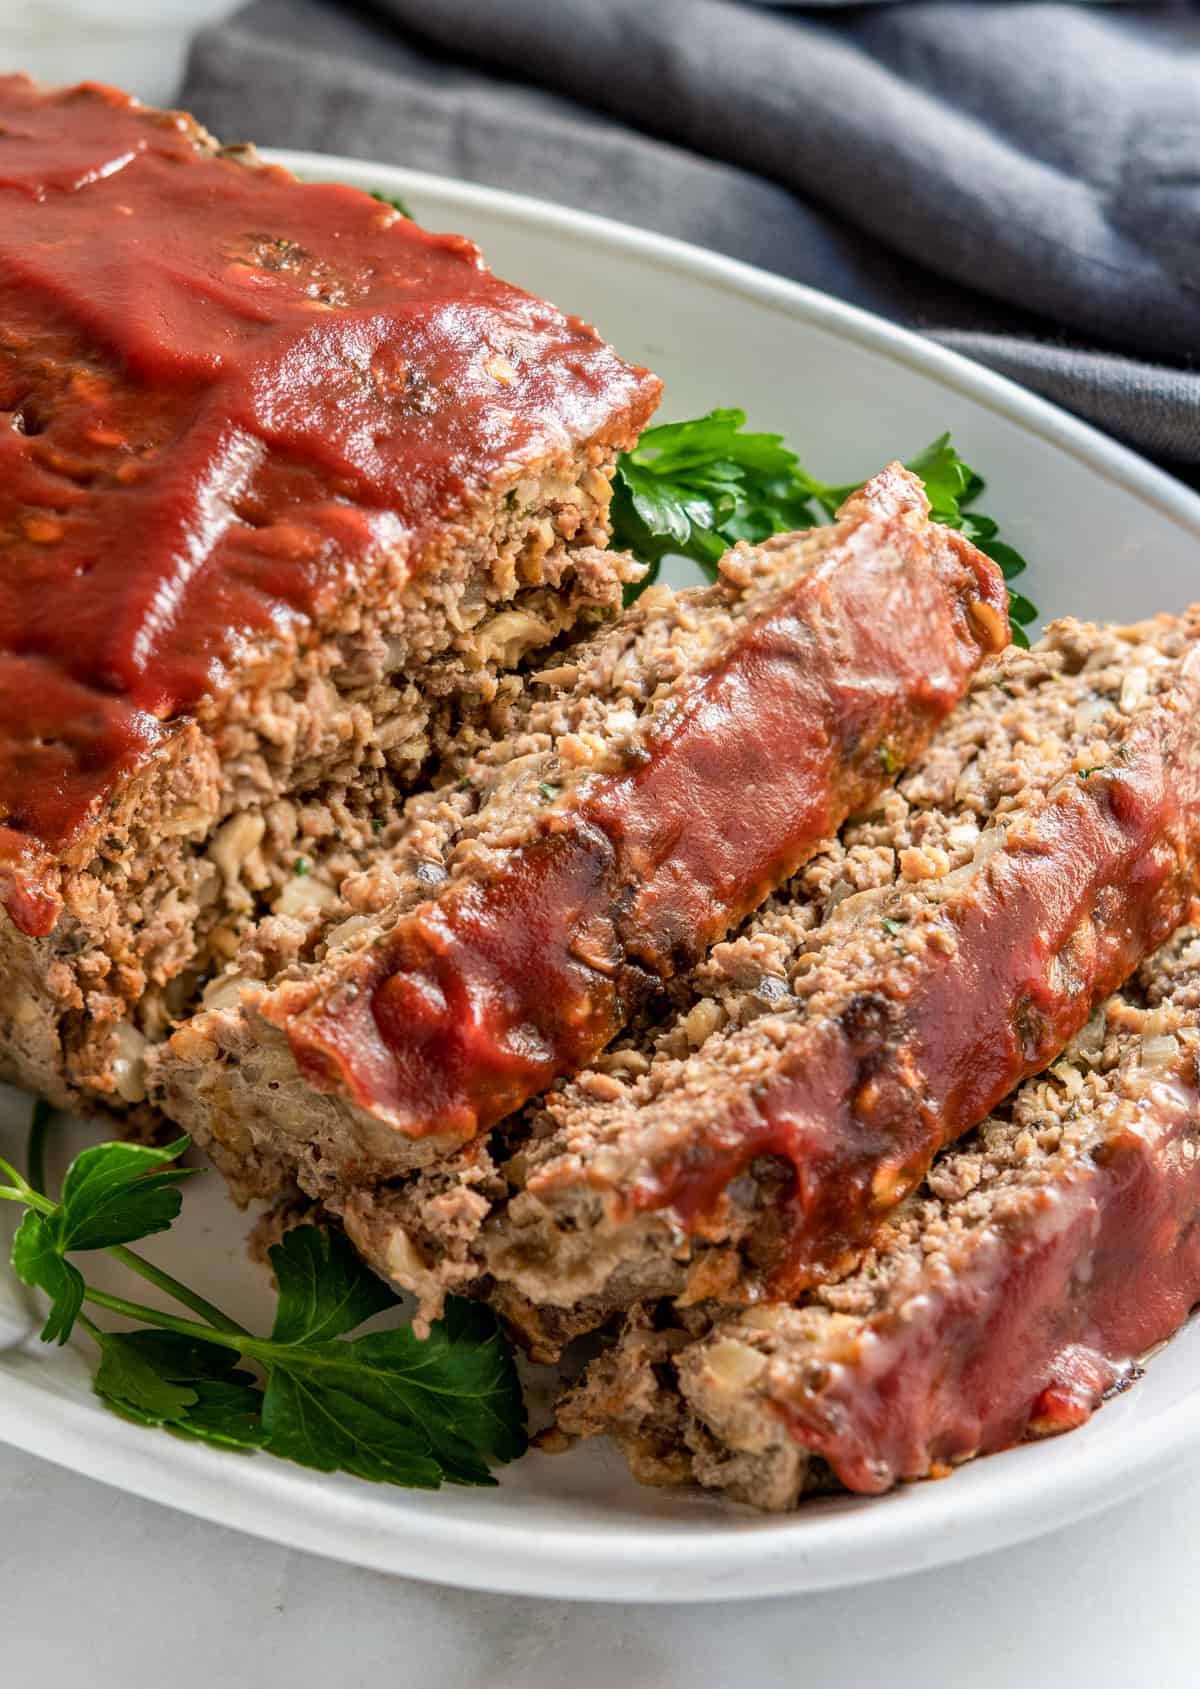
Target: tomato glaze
[(1031, 1320), (225, 396), (480, 999), (1052, 926)]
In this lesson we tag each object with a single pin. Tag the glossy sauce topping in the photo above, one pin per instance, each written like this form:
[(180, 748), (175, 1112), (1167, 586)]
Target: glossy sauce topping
[(1049, 930), (479, 1000), (1032, 1320), (223, 395)]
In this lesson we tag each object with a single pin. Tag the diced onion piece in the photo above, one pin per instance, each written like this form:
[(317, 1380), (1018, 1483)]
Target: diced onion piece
[(1069, 1077), (732, 1366), (302, 892), (129, 1063), (1160, 1050)]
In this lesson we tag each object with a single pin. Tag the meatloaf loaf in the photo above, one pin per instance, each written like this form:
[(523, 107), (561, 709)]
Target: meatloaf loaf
[(950, 944), (282, 475), (597, 830), (1005, 1300)]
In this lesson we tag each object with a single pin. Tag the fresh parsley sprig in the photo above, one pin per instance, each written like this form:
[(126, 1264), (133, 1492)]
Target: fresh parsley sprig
[(386, 1406), (693, 489), (394, 200)]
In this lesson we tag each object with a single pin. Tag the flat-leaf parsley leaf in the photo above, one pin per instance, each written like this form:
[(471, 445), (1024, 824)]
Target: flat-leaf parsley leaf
[(692, 489), (386, 1406)]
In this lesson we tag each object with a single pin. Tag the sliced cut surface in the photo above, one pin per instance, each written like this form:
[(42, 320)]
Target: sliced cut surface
[(282, 478), (1005, 1300), (632, 805), (754, 1143)]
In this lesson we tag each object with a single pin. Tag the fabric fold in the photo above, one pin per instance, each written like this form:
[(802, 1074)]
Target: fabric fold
[(1019, 179)]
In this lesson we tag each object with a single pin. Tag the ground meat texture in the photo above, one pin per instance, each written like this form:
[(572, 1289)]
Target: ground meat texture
[(665, 780), (755, 1143), (1005, 1300), (287, 483)]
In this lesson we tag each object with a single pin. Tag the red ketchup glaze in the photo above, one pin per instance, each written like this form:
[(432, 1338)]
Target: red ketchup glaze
[(1049, 932), (481, 994), (470, 1007), (223, 396), (1035, 1320)]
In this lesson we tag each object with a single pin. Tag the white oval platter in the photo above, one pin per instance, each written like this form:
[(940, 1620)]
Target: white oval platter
[(1107, 535)]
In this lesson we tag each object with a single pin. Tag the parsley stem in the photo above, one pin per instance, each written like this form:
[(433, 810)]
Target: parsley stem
[(241, 1341), (23, 1191), (18, 1181), (155, 1275), (165, 1322), (39, 1128)]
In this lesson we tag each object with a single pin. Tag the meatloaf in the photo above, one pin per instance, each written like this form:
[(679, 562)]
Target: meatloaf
[(1006, 1299), (951, 943), (283, 476), (596, 832)]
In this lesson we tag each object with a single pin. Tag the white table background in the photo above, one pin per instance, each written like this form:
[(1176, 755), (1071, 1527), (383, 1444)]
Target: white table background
[(103, 1591)]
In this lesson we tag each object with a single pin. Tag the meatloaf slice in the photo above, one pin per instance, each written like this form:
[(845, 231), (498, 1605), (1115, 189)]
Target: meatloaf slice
[(1005, 1300), (282, 475), (638, 800), (1047, 842)]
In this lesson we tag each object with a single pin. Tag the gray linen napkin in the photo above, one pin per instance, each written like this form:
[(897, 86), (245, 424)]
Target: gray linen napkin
[(1020, 180)]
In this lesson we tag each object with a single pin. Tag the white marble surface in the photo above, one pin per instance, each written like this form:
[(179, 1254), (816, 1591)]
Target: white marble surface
[(99, 1589)]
